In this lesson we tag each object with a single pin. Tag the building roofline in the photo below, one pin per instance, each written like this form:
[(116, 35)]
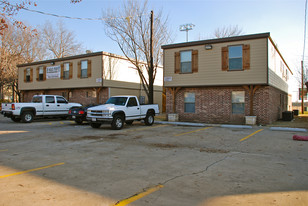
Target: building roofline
[(62, 59), (219, 40)]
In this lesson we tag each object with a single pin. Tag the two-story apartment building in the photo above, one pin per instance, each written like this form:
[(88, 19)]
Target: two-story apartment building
[(223, 80), (88, 78)]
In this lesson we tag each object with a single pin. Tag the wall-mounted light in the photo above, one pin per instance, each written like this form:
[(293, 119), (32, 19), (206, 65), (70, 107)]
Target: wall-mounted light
[(52, 63), (208, 47)]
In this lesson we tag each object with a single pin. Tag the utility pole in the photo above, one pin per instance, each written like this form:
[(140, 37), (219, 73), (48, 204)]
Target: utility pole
[(302, 92), (151, 67)]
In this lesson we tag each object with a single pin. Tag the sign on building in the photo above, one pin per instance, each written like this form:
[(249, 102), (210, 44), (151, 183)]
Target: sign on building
[(53, 72)]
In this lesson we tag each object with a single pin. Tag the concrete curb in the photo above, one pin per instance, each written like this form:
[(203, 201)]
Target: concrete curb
[(288, 129), (229, 126), (203, 125)]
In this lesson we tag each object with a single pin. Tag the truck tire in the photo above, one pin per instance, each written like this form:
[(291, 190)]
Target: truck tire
[(117, 122), (149, 119), (27, 117), (95, 125), (15, 119)]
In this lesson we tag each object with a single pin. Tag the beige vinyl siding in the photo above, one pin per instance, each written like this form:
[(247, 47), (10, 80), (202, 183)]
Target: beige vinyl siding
[(74, 82), (210, 67), (278, 70)]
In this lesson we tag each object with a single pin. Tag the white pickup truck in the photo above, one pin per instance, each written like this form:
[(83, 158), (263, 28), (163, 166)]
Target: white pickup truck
[(40, 106), (120, 109)]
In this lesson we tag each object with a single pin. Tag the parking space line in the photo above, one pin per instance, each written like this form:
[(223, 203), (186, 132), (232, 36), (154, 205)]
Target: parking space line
[(138, 195), (4, 150), (145, 128), (251, 135), (192, 131), (31, 170)]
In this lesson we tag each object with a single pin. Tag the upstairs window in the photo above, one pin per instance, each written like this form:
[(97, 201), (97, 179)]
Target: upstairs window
[(66, 71), (84, 69), (40, 73), (186, 61), (28, 75), (235, 57)]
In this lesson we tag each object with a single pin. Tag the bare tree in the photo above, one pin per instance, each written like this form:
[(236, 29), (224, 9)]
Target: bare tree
[(17, 46), (130, 27), (59, 41), (228, 31)]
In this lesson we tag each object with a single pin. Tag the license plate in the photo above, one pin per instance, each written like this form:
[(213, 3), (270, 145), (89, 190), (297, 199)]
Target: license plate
[(74, 117), (94, 119)]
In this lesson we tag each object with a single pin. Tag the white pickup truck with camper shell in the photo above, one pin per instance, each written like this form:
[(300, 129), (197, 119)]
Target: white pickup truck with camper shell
[(121, 109), (40, 106)]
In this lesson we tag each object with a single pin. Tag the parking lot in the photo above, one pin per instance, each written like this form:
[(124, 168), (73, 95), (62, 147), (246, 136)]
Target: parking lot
[(55, 162)]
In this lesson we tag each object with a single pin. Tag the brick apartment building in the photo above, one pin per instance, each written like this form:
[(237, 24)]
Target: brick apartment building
[(223, 80), (87, 79)]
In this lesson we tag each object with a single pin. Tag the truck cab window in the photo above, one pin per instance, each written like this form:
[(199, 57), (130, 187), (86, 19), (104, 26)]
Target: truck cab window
[(37, 99), (61, 100), (132, 102), (50, 99)]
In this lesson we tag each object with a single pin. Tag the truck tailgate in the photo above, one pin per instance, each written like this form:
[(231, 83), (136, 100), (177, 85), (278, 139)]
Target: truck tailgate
[(6, 107)]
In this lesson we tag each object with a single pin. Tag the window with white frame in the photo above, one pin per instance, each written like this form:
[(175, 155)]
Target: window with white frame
[(28, 75), (66, 71), (186, 59), (41, 73), (236, 57), (238, 102), (189, 102), (84, 69)]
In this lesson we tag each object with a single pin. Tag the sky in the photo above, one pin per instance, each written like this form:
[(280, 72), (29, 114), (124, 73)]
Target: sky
[(284, 19)]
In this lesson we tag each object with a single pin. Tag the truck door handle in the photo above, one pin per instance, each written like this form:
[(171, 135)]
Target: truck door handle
[(138, 108), (47, 105), (58, 105)]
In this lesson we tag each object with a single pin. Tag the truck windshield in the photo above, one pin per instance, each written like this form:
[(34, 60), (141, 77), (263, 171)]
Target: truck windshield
[(117, 100), (37, 99)]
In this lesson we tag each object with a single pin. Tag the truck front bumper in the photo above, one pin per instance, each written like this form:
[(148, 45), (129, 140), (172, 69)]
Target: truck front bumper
[(99, 119)]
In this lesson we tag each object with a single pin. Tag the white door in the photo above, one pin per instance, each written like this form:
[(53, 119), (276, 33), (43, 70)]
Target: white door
[(62, 106), (133, 110), (50, 107)]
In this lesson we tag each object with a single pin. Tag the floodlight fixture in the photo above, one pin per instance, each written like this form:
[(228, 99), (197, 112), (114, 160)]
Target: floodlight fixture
[(187, 27)]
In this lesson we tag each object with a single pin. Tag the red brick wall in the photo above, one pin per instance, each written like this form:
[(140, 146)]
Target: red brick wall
[(84, 96), (214, 105)]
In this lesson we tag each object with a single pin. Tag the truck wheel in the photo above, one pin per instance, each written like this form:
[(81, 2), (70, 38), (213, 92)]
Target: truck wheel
[(117, 122), (95, 125), (15, 119), (27, 117), (149, 119), (130, 122)]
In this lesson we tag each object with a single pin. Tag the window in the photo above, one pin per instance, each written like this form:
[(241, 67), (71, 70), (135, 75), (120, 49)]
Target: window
[(41, 74), (84, 69), (37, 99), (50, 99), (238, 102), (132, 102), (28, 75), (189, 102), (66, 71), (186, 61), (235, 57), (61, 100)]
